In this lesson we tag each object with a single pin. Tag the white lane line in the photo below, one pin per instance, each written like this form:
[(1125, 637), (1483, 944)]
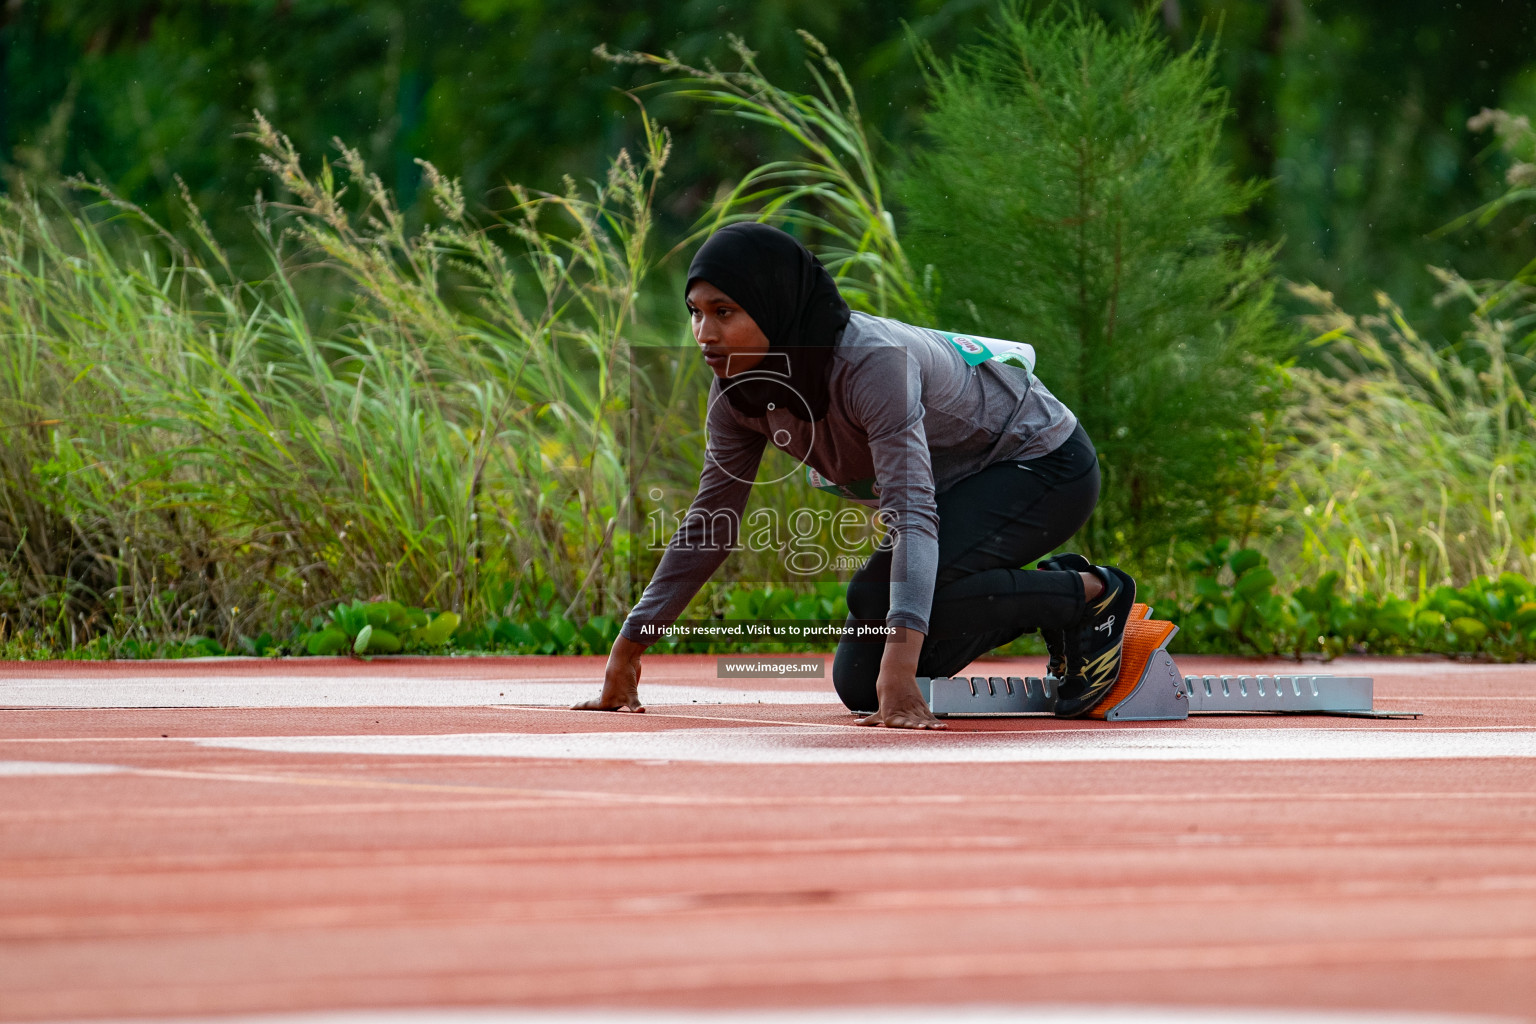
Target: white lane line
[(826, 746), (857, 1015), (355, 691), (13, 768), (1451, 699)]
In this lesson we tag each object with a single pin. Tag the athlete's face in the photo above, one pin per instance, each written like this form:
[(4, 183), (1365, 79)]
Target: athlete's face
[(731, 340)]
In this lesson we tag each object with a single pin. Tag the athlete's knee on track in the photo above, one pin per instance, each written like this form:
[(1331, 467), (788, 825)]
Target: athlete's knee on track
[(855, 668)]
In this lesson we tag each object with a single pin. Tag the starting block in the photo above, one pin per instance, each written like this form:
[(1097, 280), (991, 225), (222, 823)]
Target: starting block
[(1150, 688)]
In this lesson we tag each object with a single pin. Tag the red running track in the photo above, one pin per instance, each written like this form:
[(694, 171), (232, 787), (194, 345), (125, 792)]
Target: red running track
[(211, 860)]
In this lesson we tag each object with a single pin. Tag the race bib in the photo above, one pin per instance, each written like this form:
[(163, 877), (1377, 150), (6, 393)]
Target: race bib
[(858, 490), (975, 350)]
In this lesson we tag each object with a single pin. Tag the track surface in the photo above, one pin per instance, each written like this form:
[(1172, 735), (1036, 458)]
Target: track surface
[(348, 846)]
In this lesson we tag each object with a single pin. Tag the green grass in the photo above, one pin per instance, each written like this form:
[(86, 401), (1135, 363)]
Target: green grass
[(1411, 465), (431, 414)]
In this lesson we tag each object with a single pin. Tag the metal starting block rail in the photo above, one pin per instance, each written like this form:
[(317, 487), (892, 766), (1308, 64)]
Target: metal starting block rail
[(1150, 688)]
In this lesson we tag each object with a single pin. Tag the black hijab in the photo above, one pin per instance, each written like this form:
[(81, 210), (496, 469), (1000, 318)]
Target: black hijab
[(794, 301)]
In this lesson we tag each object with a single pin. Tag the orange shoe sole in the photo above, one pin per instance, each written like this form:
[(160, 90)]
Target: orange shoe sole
[(1143, 636)]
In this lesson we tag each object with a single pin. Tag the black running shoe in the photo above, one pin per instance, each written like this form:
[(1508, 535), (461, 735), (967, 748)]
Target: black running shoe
[(1056, 639), (1093, 646)]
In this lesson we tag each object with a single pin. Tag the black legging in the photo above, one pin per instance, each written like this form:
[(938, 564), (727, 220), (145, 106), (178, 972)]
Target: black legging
[(1005, 516)]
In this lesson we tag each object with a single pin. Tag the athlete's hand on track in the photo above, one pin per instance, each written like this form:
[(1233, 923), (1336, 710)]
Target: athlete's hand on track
[(621, 680), (902, 707), (901, 702)]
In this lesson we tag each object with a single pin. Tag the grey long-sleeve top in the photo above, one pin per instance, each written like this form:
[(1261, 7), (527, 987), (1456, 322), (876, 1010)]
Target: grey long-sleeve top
[(906, 410)]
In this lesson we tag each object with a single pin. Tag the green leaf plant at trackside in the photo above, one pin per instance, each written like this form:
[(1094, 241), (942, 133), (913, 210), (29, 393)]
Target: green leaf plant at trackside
[(1228, 602), (380, 627), (1232, 607), (1073, 193)]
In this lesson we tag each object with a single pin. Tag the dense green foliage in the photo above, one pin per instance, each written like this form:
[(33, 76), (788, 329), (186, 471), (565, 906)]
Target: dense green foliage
[(1354, 108), (138, 92), (378, 627), (262, 432), (1235, 608), (1074, 193)]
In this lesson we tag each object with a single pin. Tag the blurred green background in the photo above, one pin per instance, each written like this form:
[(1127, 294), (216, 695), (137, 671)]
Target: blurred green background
[(1356, 110), (377, 364)]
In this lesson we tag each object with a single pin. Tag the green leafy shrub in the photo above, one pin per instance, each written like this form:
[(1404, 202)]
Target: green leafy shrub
[(1234, 608), (552, 634), (380, 627), (1231, 604)]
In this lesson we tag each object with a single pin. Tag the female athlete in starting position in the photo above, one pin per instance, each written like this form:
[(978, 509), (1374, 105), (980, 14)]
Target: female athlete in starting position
[(975, 467)]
